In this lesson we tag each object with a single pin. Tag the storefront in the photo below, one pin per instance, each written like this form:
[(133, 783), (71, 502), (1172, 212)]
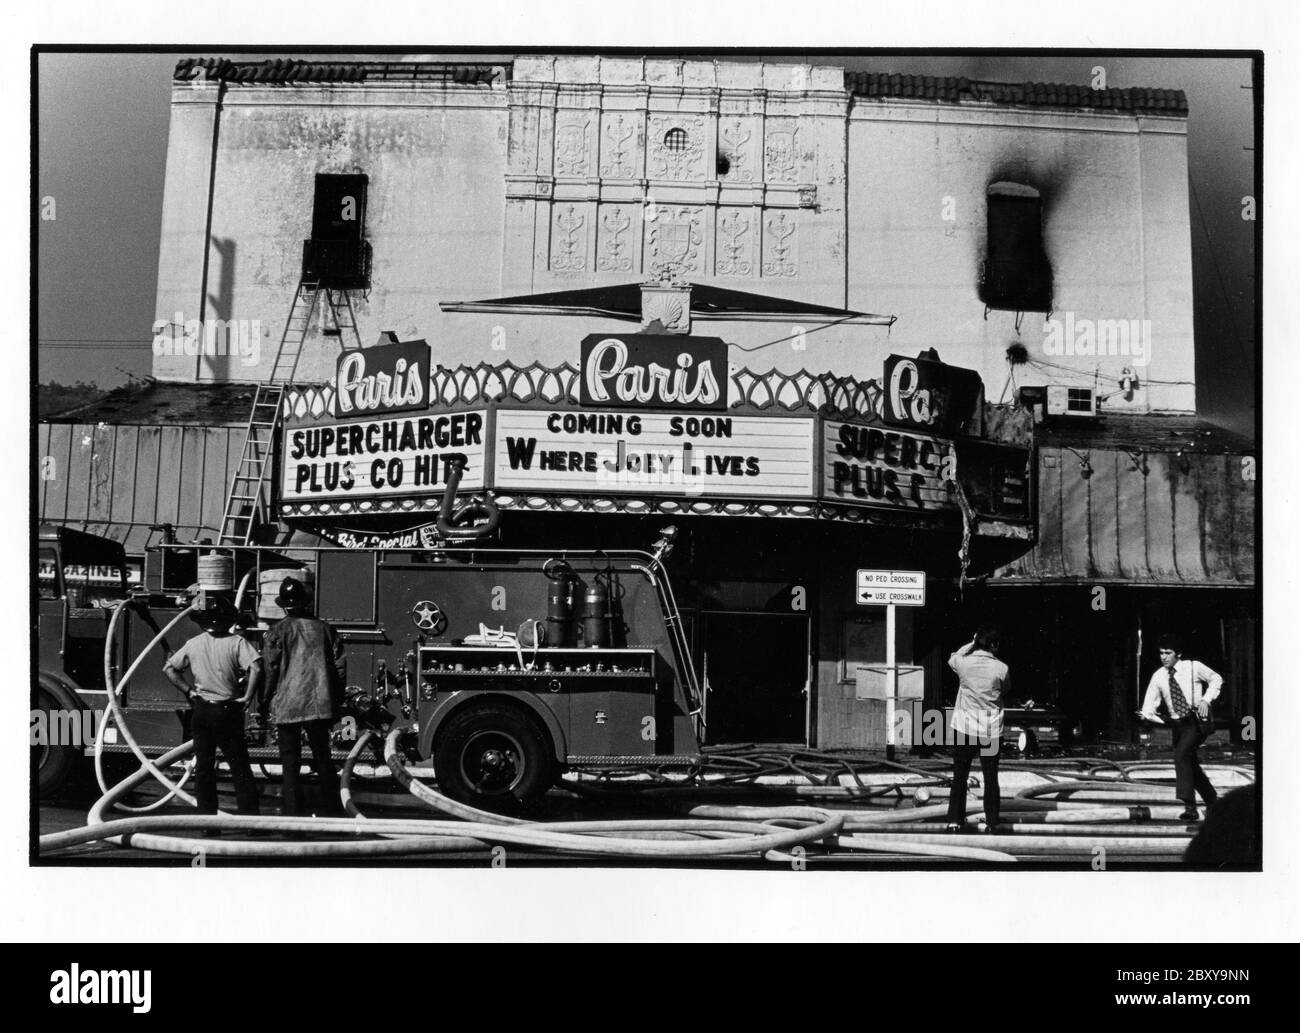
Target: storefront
[(782, 487)]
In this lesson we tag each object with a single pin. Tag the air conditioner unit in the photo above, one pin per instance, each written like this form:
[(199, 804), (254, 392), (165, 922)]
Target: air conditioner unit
[(1071, 401)]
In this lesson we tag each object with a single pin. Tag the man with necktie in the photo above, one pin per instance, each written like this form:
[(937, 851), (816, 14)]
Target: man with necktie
[(1187, 688)]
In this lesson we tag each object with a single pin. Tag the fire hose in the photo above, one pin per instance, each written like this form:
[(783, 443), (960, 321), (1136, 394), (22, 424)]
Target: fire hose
[(420, 837), (112, 711), (455, 525), (708, 831), (694, 838), (690, 838), (111, 707), (762, 837)]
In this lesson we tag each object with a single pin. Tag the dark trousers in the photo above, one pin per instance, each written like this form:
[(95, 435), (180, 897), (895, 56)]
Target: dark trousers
[(318, 739), (221, 726), (1191, 778), (962, 758)]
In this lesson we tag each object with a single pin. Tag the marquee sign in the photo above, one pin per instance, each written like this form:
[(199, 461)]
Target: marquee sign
[(387, 378), (654, 453), (870, 465), (381, 458), (931, 395), (656, 371), (654, 421)]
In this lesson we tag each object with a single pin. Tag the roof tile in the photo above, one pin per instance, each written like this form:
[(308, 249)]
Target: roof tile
[(281, 70), (1137, 100)]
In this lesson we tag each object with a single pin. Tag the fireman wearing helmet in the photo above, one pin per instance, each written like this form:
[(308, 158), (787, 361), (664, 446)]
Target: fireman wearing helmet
[(219, 671), (305, 676)]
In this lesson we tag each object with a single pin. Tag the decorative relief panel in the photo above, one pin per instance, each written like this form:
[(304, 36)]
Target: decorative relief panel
[(568, 238), (573, 147), (670, 307), (676, 147), (614, 239), (781, 154), (779, 238), (735, 141), (735, 242), (622, 145), (675, 241), (659, 186)]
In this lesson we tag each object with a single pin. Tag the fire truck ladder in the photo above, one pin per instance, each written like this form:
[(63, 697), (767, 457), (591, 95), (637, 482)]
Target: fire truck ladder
[(246, 502)]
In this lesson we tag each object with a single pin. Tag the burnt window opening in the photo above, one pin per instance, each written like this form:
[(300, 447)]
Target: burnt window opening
[(337, 254), (724, 163), (338, 210), (1016, 275), (995, 479)]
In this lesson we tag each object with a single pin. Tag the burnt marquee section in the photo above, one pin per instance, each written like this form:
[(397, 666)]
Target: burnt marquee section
[(893, 466)]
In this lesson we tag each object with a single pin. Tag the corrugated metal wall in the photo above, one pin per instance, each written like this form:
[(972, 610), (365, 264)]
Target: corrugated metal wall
[(115, 480), (1141, 517)]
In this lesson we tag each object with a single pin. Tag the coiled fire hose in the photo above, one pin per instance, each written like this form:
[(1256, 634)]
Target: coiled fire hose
[(112, 707), (911, 833), (710, 831), (703, 838), (750, 837), (673, 838), (690, 838), (112, 712)]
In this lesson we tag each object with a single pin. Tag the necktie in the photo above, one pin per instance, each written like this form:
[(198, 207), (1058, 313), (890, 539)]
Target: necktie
[(1176, 697)]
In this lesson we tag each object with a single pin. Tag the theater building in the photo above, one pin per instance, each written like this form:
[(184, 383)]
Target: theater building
[(821, 322)]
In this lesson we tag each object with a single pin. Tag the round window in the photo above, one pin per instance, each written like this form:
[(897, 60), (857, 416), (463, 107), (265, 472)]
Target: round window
[(675, 140)]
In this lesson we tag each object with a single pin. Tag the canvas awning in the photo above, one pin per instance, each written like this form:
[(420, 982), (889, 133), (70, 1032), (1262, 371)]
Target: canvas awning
[(1142, 500)]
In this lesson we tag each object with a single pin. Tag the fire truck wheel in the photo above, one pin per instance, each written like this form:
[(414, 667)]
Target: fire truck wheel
[(493, 756), (52, 765)]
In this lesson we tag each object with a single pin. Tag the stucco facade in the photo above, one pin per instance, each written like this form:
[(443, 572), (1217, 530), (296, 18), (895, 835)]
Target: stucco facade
[(558, 173)]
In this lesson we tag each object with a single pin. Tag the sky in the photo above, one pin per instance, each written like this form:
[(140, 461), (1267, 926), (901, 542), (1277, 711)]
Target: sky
[(102, 147)]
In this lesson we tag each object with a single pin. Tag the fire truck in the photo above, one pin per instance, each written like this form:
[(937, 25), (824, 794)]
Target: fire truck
[(506, 667), (79, 578)]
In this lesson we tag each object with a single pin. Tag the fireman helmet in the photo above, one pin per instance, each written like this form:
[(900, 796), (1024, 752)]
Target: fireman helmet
[(293, 593), (215, 612)]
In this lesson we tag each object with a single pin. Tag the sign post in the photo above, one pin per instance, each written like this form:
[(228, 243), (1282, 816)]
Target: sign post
[(891, 589), (891, 661)]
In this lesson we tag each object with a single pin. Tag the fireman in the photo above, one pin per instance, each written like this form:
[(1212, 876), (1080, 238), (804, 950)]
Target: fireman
[(305, 676), (209, 669)]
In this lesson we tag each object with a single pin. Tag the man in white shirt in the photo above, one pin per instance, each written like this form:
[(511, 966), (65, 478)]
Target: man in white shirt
[(977, 725), (219, 673), (1187, 688)]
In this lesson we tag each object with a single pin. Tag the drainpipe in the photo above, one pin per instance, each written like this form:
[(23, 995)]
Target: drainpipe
[(207, 230)]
